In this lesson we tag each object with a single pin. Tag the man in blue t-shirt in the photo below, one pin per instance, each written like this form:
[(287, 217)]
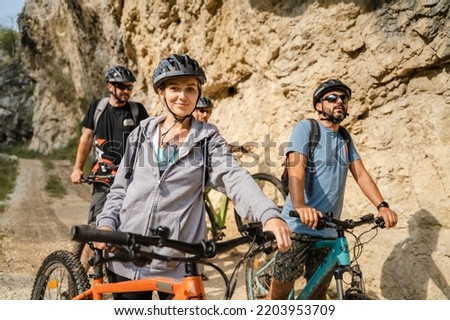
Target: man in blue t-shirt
[(333, 156)]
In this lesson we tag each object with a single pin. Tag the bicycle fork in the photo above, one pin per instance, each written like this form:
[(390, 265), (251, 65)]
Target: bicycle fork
[(356, 285)]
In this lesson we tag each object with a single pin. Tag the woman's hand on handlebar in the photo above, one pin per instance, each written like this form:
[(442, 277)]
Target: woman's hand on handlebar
[(102, 245), (281, 232)]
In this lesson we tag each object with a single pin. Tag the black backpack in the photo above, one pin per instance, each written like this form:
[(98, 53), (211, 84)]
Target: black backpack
[(314, 137)]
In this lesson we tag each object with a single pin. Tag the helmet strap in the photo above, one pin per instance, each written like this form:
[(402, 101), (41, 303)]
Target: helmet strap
[(330, 117), (113, 93)]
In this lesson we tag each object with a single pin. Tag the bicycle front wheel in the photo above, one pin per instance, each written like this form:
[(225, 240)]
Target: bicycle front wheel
[(271, 186), (60, 277)]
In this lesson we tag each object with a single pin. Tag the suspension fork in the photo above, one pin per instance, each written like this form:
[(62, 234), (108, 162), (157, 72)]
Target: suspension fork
[(339, 278)]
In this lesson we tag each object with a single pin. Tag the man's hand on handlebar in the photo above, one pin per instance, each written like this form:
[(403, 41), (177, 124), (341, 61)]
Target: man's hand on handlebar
[(76, 176), (309, 216), (389, 216)]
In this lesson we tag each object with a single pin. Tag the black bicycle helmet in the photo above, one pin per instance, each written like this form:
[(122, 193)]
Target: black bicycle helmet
[(204, 103), (119, 74), (177, 66), (328, 86)]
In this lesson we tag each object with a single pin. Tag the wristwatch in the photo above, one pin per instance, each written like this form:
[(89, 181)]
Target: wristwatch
[(383, 204)]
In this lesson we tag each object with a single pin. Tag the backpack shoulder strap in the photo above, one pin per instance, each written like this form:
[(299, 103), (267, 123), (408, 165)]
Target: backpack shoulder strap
[(139, 140), (134, 111), (314, 137), (101, 106), (346, 135)]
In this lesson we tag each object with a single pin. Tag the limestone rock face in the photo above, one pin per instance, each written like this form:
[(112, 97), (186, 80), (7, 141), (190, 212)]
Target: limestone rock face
[(263, 60)]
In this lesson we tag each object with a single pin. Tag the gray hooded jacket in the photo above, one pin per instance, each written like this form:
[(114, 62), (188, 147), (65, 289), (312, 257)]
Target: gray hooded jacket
[(147, 200)]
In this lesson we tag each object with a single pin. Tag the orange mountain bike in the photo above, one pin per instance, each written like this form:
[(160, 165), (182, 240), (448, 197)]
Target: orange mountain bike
[(61, 275)]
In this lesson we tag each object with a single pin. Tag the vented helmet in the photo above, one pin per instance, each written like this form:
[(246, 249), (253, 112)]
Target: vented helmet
[(119, 74), (204, 103), (176, 66), (328, 86)]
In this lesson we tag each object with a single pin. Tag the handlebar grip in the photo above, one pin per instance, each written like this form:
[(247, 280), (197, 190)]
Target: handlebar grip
[(83, 233), (293, 213), (269, 236), (379, 221)]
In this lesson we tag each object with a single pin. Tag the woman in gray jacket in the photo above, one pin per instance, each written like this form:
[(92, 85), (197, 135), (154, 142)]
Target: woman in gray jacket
[(162, 176)]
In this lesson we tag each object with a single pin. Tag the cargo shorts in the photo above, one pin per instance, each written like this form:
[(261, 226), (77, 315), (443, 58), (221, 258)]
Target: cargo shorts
[(299, 260)]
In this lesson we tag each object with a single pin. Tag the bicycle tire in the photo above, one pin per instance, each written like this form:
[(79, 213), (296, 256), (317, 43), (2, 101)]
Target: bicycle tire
[(60, 277), (258, 275), (356, 295), (272, 188)]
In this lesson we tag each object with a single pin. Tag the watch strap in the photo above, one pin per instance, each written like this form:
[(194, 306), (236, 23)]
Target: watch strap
[(383, 204)]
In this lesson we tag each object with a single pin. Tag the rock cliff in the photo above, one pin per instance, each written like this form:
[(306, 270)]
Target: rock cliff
[(263, 59)]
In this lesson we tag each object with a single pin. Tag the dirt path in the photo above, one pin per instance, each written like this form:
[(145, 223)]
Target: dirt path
[(34, 225)]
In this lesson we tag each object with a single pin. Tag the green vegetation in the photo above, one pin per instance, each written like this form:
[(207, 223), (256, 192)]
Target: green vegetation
[(8, 174), (9, 41), (54, 185)]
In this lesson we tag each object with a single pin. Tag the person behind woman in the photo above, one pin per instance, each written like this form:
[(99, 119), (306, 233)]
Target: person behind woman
[(161, 179)]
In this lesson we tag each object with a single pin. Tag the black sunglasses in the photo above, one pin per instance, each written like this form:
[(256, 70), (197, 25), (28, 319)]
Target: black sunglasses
[(333, 98), (122, 86)]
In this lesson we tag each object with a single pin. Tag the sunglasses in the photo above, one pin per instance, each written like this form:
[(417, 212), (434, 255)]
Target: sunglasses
[(123, 87), (203, 110), (333, 98)]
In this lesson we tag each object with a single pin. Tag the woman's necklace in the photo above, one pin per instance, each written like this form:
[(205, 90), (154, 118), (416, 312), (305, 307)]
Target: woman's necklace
[(164, 143)]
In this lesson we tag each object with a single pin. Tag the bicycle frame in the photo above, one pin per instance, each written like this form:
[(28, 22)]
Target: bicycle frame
[(188, 288), (217, 218), (337, 261)]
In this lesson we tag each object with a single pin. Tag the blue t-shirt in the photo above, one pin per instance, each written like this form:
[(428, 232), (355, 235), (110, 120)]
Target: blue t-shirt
[(332, 159)]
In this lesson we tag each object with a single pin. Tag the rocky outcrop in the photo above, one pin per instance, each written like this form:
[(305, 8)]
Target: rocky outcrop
[(16, 104), (263, 60)]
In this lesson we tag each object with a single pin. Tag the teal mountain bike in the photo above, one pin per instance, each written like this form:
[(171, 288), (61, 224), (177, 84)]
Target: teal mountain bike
[(347, 272)]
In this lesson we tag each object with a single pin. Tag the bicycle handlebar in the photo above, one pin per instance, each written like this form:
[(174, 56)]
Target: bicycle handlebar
[(327, 221), (203, 249), (97, 178)]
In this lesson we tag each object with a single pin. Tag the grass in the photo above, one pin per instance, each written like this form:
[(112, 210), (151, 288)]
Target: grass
[(8, 174), (54, 187), (9, 169)]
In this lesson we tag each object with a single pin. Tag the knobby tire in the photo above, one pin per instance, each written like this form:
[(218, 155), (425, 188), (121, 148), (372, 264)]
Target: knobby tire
[(60, 277)]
